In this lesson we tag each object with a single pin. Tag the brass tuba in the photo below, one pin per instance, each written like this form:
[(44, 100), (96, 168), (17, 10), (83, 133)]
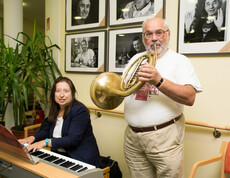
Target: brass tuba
[(108, 89)]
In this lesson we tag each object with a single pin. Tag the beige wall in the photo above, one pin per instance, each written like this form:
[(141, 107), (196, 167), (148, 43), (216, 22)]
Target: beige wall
[(211, 106), (28, 27)]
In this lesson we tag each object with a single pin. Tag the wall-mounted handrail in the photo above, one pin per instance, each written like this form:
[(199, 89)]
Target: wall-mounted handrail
[(203, 124), (103, 110), (216, 133)]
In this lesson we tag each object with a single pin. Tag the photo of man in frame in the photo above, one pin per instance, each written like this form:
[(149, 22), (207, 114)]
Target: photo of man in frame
[(127, 45), (84, 52), (85, 12), (127, 9)]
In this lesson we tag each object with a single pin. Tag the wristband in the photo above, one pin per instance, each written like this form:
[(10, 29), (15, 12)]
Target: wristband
[(160, 82), (47, 142)]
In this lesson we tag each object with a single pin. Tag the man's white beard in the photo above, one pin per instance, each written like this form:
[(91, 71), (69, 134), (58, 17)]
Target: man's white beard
[(151, 48), (162, 46)]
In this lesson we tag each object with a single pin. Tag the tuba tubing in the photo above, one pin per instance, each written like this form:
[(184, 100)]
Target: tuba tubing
[(108, 89)]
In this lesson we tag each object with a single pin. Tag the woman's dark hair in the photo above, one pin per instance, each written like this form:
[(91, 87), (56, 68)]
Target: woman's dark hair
[(54, 108), (200, 11)]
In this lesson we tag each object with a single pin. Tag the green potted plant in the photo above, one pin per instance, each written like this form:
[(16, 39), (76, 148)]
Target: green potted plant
[(28, 67)]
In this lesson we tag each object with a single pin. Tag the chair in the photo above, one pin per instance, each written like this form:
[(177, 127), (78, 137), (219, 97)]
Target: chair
[(106, 172), (30, 114), (224, 155), (27, 128)]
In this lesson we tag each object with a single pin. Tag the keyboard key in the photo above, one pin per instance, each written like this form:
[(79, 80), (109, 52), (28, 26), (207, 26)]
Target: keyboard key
[(36, 153), (51, 158), (59, 161), (83, 169), (77, 167), (43, 156), (67, 164)]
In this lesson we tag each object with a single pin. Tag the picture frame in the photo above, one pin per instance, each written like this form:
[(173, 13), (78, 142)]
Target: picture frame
[(88, 16), (121, 42), (121, 13), (202, 36), (79, 59)]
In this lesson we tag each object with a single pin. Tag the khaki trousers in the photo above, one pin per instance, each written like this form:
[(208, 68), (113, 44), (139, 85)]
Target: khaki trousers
[(156, 154)]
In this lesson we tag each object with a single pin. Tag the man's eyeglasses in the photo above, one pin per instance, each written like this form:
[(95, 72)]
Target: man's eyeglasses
[(159, 34)]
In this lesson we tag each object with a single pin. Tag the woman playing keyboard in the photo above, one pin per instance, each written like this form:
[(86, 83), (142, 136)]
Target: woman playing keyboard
[(67, 130)]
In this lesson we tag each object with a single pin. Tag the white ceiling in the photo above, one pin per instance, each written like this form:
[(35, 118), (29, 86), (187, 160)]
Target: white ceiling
[(33, 9)]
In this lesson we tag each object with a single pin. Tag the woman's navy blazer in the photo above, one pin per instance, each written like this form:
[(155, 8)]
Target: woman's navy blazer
[(77, 136)]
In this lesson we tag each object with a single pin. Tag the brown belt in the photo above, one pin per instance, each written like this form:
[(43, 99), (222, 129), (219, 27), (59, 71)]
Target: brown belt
[(156, 127)]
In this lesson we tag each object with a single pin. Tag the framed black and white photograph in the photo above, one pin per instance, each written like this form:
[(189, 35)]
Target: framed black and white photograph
[(130, 12), (85, 14), (85, 52), (123, 45), (204, 27)]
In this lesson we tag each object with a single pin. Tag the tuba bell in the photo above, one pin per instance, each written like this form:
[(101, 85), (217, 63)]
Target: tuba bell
[(108, 89)]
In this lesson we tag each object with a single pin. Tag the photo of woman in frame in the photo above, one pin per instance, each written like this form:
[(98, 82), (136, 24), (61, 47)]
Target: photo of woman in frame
[(205, 22)]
